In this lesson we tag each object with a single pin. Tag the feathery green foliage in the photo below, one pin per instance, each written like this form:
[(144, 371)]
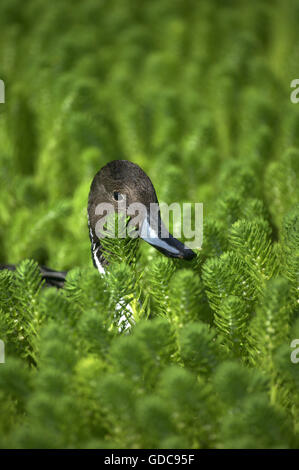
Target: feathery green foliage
[(197, 94)]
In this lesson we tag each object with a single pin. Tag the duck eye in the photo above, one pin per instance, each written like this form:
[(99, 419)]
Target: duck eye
[(118, 196)]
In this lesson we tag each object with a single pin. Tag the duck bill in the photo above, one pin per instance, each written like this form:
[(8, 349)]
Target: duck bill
[(156, 234)]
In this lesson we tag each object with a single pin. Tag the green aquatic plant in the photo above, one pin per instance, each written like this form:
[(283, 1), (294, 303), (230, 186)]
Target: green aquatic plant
[(198, 95)]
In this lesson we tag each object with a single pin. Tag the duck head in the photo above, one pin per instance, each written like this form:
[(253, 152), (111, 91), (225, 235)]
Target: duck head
[(125, 187)]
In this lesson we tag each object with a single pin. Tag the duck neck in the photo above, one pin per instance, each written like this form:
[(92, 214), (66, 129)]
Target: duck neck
[(98, 258)]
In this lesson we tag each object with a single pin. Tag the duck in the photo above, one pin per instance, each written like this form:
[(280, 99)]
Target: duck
[(119, 185), (122, 184)]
